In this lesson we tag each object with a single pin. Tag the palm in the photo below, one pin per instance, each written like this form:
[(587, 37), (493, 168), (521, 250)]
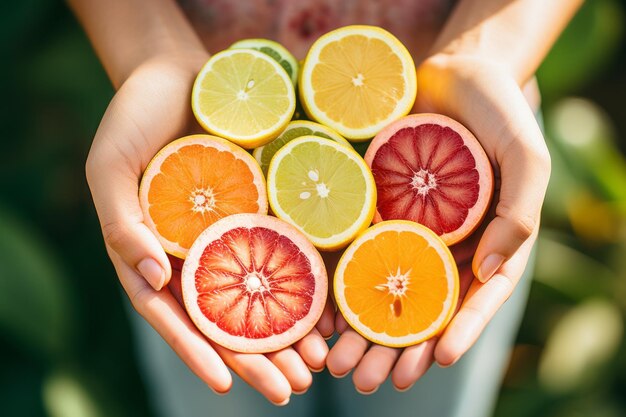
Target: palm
[(489, 102), (151, 109)]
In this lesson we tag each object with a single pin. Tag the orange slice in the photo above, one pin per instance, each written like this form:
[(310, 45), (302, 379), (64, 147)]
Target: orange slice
[(195, 181), (356, 80), (397, 284)]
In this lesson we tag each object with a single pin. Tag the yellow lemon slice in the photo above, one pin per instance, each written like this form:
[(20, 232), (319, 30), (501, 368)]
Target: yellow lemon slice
[(357, 79), (243, 95)]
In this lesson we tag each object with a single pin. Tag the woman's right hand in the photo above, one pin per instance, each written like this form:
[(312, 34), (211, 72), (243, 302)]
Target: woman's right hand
[(152, 108)]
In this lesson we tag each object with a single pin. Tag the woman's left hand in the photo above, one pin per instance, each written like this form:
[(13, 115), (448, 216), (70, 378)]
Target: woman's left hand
[(486, 99)]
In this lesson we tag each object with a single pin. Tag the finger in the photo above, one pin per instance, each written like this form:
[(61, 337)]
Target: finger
[(313, 350), (413, 364), (290, 363), (326, 323), (167, 317), (374, 368), (260, 373), (341, 325), (346, 354), (479, 306)]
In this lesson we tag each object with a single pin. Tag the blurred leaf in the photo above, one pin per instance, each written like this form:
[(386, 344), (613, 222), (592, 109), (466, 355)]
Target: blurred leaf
[(584, 342), (585, 136), (570, 271), (66, 396), (584, 49), (35, 307)]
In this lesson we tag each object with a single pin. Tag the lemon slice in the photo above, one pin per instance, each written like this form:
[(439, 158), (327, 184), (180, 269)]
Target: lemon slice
[(278, 52), (295, 129), (323, 188), (243, 95), (357, 79)]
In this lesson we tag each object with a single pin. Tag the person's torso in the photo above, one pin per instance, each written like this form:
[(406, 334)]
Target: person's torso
[(297, 24)]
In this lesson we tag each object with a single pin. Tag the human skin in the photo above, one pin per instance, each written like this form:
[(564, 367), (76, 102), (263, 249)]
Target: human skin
[(486, 53), (487, 50)]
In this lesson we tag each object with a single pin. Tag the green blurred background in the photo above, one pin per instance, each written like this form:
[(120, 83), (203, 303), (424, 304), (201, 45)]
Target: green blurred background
[(65, 345)]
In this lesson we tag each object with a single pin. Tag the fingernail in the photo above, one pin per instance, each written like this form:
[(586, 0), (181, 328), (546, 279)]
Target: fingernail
[(318, 370), (282, 403), (365, 392), (152, 272), (300, 392), (447, 365), (221, 394), (338, 375), (489, 266), (404, 389)]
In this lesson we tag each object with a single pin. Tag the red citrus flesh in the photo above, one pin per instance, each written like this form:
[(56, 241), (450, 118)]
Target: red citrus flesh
[(431, 170), (253, 283)]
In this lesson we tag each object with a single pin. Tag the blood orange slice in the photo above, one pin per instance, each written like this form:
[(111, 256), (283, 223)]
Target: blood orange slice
[(430, 169), (253, 283), (194, 181)]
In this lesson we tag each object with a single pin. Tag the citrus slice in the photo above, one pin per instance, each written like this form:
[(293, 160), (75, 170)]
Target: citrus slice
[(278, 52), (194, 181), (253, 283), (323, 188), (295, 129), (357, 79), (243, 95), (430, 169), (397, 284)]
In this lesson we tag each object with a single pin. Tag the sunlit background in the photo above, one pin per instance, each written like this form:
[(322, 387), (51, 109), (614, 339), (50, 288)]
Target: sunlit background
[(65, 344)]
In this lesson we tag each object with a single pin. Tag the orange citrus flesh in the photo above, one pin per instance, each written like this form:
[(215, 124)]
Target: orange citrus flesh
[(194, 182), (397, 284)]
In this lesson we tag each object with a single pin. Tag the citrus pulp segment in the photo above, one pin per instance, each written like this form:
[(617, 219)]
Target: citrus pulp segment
[(323, 188), (430, 169), (278, 52), (253, 283), (194, 181), (357, 79), (397, 284), (243, 95), (295, 129)]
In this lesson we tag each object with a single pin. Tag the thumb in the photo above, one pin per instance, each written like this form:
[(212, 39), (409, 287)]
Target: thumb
[(113, 169), (116, 199)]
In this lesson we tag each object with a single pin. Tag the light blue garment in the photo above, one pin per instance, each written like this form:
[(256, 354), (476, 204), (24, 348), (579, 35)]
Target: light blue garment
[(467, 389)]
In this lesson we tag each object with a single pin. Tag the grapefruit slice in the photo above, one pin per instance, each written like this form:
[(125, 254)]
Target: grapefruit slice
[(397, 284), (193, 182), (356, 80), (253, 283), (430, 169)]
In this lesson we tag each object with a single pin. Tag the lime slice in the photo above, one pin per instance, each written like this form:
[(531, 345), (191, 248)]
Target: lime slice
[(295, 129), (323, 188), (275, 50), (243, 95)]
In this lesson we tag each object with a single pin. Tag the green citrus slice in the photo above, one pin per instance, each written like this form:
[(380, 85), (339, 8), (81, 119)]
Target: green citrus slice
[(323, 188), (295, 129), (278, 52)]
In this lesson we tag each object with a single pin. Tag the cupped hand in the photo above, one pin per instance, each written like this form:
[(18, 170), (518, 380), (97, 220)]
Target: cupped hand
[(486, 99), (151, 108)]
